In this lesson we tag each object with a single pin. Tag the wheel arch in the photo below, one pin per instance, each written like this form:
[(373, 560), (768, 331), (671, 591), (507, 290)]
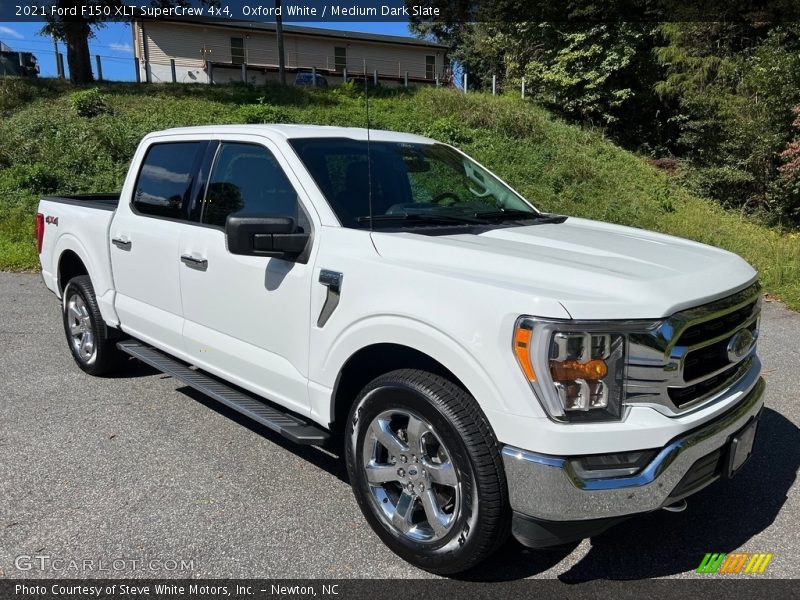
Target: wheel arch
[(70, 258), (69, 265), (70, 253), (372, 347), (374, 360)]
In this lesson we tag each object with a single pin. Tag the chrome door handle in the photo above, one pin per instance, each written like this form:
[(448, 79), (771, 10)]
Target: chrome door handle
[(201, 264), (121, 243)]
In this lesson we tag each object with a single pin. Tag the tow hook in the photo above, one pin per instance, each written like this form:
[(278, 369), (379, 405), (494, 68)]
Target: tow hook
[(676, 507)]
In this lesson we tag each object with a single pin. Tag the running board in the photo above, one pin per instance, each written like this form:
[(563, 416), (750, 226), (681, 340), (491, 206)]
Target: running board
[(288, 425)]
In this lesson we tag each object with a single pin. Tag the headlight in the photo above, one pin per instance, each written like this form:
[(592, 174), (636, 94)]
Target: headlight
[(576, 369)]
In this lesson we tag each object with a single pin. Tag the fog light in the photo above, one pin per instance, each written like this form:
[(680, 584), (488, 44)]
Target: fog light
[(621, 464)]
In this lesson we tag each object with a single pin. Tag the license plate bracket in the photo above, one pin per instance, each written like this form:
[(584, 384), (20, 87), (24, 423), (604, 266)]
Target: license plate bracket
[(740, 447)]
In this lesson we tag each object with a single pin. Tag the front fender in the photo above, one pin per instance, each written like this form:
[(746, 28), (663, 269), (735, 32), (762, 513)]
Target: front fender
[(421, 336)]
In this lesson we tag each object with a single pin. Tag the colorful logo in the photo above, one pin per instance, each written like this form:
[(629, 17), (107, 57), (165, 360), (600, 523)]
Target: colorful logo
[(734, 563)]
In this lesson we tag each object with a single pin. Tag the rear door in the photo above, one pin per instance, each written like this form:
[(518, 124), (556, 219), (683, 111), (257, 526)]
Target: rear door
[(145, 243), (248, 317)]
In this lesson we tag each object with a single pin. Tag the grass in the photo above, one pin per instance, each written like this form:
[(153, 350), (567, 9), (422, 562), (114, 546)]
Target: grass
[(46, 147)]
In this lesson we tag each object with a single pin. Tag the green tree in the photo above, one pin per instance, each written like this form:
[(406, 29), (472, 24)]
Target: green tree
[(718, 95), (734, 85), (601, 73), (75, 32)]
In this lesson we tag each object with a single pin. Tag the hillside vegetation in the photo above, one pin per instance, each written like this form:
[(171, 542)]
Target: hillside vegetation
[(56, 140), (722, 97)]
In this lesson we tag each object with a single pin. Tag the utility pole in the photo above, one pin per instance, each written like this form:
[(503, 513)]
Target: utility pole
[(279, 31), (58, 64)]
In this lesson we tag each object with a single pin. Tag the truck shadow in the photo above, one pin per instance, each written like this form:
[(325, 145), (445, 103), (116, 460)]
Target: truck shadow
[(133, 369), (721, 518), (328, 458)]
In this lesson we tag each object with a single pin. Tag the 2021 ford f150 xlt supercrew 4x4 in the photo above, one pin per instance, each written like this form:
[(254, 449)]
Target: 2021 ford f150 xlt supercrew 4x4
[(489, 368)]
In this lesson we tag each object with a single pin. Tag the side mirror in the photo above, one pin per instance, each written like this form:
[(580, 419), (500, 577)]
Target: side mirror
[(264, 236)]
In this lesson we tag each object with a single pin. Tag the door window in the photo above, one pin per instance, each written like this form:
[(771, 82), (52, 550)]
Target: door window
[(248, 180), (165, 180)]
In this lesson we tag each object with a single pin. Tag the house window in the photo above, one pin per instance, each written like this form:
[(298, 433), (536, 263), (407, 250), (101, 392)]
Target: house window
[(237, 50), (340, 58), (430, 67)]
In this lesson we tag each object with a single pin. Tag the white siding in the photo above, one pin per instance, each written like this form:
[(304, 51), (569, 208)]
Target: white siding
[(190, 45)]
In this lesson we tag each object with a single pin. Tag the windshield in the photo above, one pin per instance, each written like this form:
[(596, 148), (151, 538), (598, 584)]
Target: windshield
[(423, 181)]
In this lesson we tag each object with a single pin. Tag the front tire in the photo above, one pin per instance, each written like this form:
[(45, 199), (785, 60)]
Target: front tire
[(91, 342), (426, 471)]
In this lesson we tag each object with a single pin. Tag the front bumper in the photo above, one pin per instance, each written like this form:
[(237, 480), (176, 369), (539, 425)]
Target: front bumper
[(546, 488)]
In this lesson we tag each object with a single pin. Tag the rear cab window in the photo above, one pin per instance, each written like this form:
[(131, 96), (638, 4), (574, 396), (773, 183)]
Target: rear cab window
[(165, 179)]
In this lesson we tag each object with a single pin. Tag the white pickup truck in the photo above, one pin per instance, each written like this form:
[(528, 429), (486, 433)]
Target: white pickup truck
[(488, 368)]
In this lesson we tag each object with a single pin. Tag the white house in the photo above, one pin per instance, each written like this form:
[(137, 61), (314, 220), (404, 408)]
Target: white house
[(214, 52)]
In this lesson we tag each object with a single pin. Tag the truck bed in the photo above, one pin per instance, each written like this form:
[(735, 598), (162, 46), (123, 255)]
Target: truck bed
[(84, 217), (99, 201)]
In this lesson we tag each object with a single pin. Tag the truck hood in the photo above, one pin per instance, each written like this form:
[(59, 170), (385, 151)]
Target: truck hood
[(594, 270)]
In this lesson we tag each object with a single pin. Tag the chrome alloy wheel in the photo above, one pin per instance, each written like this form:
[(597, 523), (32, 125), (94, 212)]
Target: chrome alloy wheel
[(80, 328), (411, 476)]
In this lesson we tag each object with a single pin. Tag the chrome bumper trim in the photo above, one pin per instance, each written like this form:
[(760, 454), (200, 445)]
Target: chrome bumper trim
[(547, 487)]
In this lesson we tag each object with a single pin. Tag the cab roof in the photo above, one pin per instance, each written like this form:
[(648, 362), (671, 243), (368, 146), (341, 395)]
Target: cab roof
[(300, 131)]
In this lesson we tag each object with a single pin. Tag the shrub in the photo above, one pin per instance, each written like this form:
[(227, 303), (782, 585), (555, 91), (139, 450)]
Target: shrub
[(88, 103), (450, 131), (35, 178), (786, 190), (14, 93), (729, 185), (349, 89), (262, 113)]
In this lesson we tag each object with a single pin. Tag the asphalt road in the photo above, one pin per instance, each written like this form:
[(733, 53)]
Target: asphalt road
[(141, 468)]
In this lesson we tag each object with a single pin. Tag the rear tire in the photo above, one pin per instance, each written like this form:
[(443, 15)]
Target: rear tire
[(426, 471), (91, 342)]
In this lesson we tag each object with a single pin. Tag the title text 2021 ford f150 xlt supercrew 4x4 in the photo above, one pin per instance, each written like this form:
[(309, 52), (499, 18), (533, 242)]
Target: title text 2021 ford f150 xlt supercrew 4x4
[(489, 368)]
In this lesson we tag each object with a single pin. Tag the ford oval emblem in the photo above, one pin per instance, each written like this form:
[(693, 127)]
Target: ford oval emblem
[(740, 345)]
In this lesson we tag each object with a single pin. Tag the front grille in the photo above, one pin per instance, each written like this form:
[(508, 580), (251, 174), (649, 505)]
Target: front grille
[(705, 360), (707, 330), (684, 395), (700, 474), (682, 361), (699, 363)]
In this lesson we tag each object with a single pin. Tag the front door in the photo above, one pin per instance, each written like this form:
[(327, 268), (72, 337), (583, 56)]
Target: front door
[(247, 317)]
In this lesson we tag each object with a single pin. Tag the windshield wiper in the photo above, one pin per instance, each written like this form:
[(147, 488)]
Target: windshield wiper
[(418, 218), (521, 215)]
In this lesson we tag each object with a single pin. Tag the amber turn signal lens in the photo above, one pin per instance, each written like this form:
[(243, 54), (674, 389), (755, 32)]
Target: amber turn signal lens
[(522, 346), (570, 370)]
